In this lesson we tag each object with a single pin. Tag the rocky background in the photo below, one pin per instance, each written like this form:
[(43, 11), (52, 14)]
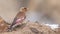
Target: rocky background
[(33, 28)]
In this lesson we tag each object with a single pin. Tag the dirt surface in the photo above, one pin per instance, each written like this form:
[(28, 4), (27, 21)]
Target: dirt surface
[(32, 28)]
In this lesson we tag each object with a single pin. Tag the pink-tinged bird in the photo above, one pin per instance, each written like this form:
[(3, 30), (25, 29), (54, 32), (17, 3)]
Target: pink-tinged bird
[(20, 17)]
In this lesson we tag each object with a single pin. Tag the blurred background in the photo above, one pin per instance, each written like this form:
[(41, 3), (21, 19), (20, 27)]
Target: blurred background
[(47, 11)]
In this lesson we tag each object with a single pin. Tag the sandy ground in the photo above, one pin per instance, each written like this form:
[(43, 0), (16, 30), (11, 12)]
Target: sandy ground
[(32, 28)]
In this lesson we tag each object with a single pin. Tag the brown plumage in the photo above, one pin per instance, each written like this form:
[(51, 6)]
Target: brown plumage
[(20, 17)]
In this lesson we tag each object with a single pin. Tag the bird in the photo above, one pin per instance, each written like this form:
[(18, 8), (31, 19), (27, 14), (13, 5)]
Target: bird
[(20, 17)]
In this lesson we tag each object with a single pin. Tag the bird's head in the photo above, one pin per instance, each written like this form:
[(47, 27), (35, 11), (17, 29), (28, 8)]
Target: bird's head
[(23, 9)]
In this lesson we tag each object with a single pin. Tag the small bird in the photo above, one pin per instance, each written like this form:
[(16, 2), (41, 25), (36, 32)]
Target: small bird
[(20, 17)]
